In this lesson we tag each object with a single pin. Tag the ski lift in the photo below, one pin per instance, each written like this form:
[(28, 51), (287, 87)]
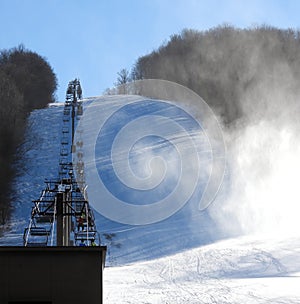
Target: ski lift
[(79, 109), (64, 152), (36, 236), (68, 189), (80, 154), (79, 90), (65, 140), (79, 143), (66, 118)]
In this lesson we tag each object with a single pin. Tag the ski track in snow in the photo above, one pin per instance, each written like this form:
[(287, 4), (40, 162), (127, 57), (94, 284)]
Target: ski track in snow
[(230, 271), (179, 260)]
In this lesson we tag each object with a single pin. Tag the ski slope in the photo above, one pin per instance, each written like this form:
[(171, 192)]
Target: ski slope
[(186, 258), (240, 270)]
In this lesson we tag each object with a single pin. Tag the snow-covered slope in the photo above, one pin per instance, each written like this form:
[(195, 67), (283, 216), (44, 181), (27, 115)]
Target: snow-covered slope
[(241, 270), (185, 258), (41, 151)]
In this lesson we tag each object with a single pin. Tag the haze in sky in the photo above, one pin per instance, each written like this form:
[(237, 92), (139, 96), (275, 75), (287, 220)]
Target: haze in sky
[(95, 39)]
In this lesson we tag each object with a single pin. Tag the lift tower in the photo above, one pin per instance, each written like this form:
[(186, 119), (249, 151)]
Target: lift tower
[(64, 195), (62, 215)]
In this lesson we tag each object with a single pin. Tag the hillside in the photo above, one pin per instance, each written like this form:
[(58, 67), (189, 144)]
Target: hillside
[(190, 257), (126, 243)]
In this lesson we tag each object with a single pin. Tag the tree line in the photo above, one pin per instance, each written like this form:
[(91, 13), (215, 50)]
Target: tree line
[(226, 66), (27, 82)]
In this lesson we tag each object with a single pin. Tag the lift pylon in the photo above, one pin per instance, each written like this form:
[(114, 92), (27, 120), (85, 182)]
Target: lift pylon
[(62, 215)]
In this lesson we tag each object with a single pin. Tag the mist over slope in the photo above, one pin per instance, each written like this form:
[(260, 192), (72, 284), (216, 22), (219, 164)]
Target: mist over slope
[(250, 78)]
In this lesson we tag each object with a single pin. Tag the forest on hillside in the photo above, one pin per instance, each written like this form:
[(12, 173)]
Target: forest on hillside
[(238, 72), (27, 82)]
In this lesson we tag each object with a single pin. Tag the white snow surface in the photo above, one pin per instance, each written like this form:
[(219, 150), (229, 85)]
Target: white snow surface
[(240, 270), (186, 258)]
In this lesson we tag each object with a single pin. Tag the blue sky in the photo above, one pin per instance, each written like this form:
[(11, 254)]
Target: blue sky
[(94, 39)]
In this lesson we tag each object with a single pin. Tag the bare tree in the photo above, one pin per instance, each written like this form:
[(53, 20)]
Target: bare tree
[(122, 80)]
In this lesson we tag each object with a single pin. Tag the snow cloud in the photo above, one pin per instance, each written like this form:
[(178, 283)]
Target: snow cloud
[(263, 157)]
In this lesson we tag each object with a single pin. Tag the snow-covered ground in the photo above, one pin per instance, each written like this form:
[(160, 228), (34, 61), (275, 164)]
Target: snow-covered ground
[(41, 148), (186, 258), (240, 270)]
